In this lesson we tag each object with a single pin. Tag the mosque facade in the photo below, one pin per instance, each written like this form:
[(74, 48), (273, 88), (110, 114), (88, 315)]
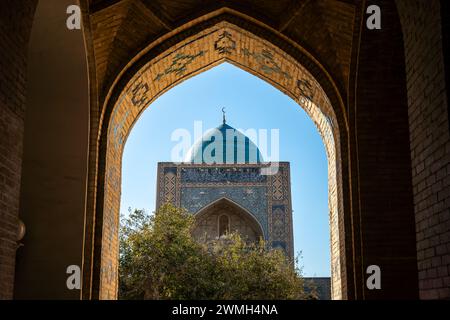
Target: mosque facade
[(225, 183)]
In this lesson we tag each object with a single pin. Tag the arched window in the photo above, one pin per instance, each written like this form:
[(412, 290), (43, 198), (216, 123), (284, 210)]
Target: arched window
[(224, 225)]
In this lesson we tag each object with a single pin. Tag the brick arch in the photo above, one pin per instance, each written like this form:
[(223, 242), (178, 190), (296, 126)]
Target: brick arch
[(423, 26), (155, 72)]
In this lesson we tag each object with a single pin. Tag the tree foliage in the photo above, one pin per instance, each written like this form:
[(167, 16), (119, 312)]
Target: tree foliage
[(159, 259)]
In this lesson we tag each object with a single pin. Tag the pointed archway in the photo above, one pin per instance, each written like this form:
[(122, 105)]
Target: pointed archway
[(160, 67)]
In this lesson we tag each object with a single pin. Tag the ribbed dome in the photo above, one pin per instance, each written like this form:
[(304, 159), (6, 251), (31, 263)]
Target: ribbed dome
[(232, 147)]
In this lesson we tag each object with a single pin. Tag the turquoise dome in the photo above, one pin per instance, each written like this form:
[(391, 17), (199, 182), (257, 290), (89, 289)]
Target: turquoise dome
[(232, 147)]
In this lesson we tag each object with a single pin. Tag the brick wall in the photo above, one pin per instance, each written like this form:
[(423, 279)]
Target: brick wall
[(53, 184), (15, 25), (430, 142), (384, 166), (445, 21)]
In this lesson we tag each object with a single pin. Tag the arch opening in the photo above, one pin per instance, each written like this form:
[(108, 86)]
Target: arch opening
[(224, 42)]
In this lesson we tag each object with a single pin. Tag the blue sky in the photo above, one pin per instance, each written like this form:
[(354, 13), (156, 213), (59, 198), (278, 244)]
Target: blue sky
[(250, 103)]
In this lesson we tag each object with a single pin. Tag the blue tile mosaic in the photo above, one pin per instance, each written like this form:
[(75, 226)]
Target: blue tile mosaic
[(253, 199)]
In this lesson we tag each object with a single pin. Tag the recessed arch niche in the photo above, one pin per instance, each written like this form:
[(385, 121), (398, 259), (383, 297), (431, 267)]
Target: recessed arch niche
[(224, 216)]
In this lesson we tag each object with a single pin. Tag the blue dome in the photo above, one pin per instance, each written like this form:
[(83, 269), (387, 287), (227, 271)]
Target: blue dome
[(224, 145)]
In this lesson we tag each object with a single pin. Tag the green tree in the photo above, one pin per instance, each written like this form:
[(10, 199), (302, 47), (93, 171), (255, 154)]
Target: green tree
[(159, 259)]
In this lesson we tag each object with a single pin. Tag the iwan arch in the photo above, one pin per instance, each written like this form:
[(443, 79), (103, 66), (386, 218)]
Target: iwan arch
[(215, 44), (357, 86)]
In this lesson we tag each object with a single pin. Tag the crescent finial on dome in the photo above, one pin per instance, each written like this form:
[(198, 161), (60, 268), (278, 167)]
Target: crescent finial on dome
[(223, 111)]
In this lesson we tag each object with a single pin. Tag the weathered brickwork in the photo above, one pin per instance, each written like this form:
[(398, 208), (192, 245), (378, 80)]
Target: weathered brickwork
[(430, 142), (124, 28), (15, 25)]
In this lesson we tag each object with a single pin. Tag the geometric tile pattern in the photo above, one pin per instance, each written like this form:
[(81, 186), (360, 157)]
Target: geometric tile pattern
[(266, 197)]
